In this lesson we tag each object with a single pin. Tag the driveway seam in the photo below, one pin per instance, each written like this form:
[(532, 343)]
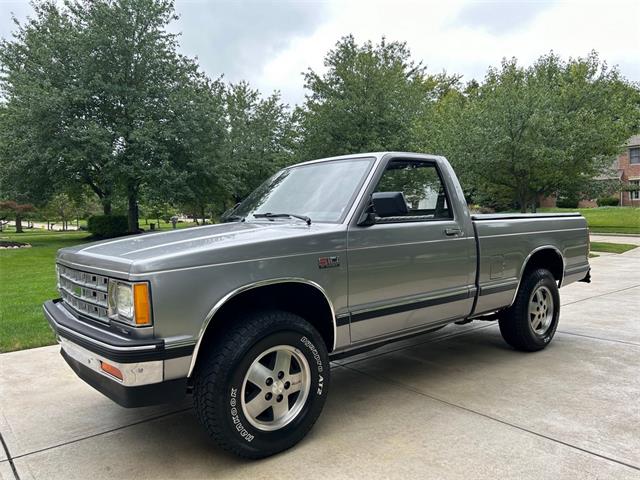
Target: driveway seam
[(9, 457), (75, 440), (489, 417), (597, 296), (624, 342)]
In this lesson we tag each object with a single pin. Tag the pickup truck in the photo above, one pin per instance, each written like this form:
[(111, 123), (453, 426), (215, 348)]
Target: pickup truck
[(326, 259)]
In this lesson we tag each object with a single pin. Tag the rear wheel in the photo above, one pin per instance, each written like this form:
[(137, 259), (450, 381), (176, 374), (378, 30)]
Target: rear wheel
[(531, 322), (262, 386)]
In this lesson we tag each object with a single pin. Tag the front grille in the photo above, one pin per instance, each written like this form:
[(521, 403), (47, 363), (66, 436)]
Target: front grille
[(84, 292)]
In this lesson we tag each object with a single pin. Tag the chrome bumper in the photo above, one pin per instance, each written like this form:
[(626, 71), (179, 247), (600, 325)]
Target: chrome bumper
[(133, 374)]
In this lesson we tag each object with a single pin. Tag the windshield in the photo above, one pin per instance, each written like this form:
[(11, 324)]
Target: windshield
[(321, 191)]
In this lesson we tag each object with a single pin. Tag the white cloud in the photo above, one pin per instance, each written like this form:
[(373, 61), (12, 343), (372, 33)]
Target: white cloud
[(436, 35), (271, 42)]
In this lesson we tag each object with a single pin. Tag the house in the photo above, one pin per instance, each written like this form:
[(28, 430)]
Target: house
[(628, 166), (625, 169)]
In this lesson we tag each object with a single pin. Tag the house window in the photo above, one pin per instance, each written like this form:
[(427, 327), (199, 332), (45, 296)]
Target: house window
[(634, 155), (635, 195)]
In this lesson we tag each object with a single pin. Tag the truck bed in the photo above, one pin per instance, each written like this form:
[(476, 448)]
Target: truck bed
[(518, 216), (506, 241)]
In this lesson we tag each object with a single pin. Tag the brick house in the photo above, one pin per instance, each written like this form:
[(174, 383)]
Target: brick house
[(628, 165), (625, 168)]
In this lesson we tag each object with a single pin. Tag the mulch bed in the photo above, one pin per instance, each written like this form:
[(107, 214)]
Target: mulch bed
[(9, 244)]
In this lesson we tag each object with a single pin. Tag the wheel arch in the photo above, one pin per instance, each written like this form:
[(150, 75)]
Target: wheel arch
[(253, 296), (545, 256)]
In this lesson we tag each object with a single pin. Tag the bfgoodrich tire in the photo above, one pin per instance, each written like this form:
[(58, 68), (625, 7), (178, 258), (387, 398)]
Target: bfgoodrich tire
[(530, 323), (261, 388)]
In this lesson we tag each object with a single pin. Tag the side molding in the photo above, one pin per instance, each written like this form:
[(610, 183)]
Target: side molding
[(251, 286)]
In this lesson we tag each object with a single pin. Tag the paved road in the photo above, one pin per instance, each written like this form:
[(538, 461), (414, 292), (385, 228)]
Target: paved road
[(454, 404)]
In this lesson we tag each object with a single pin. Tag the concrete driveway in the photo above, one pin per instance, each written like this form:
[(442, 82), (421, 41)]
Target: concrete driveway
[(457, 403)]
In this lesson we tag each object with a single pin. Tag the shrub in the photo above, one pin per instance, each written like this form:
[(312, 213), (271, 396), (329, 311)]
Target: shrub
[(608, 202), (107, 226), (567, 202)]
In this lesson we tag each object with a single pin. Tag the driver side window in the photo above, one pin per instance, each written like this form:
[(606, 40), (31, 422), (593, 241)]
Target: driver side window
[(422, 187)]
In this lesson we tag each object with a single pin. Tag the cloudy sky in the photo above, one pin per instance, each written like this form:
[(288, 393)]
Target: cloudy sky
[(271, 42)]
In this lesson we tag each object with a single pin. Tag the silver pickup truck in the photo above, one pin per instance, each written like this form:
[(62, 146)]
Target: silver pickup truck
[(326, 259)]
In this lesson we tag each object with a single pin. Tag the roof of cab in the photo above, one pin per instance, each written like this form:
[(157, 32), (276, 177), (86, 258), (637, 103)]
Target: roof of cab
[(376, 155)]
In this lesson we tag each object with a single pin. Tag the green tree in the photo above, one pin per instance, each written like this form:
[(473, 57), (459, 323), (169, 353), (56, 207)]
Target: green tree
[(200, 179), (16, 210), (103, 82), (61, 207), (548, 128), (368, 100), (49, 137), (259, 138)]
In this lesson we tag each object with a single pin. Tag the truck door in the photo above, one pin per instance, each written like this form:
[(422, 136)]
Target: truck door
[(415, 269)]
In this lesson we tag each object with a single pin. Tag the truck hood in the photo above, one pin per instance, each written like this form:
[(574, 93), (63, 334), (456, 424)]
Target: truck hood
[(198, 246)]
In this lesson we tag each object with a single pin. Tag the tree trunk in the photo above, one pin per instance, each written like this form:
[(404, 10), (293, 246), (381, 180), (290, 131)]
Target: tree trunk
[(523, 202), (204, 220), (106, 206), (132, 211), (19, 223)]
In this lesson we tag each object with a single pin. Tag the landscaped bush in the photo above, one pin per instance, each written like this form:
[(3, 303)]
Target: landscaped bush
[(567, 202), (608, 202), (107, 226)]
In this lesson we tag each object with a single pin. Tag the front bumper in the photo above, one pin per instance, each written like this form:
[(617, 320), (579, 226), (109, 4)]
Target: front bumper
[(151, 374)]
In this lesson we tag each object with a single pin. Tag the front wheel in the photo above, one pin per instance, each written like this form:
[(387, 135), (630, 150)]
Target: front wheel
[(531, 322), (263, 385)]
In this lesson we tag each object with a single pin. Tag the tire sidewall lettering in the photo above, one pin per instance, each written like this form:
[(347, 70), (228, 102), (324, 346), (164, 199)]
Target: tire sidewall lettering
[(318, 359), (235, 416)]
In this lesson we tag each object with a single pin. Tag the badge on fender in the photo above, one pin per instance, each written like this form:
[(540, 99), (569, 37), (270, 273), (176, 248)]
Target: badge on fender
[(328, 262)]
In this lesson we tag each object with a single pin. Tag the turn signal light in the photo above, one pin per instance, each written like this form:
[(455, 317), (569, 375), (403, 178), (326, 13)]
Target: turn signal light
[(111, 370), (142, 308)]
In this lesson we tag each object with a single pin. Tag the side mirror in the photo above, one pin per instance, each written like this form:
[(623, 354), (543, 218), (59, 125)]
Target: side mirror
[(389, 204)]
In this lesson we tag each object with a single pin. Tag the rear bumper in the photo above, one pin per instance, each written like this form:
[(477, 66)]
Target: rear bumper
[(577, 273), (151, 374)]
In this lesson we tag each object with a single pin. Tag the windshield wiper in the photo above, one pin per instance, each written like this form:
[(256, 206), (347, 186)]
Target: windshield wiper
[(233, 218), (283, 215)]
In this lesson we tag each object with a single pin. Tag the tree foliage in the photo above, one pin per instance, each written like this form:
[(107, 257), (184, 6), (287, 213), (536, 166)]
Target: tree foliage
[(96, 98), (368, 99), (105, 95), (548, 128)]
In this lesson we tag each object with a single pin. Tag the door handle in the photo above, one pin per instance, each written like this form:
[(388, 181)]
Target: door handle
[(451, 232)]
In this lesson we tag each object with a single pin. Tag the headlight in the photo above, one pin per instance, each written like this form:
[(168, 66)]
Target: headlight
[(124, 300), (129, 302)]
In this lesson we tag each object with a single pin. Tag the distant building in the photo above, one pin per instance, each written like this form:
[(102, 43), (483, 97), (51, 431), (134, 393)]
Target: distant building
[(625, 168), (628, 165)]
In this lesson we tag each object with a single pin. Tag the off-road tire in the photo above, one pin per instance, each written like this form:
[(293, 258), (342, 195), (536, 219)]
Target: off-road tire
[(221, 374), (515, 325)]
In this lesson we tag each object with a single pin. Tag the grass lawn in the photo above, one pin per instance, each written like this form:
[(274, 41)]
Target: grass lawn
[(607, 219), (27, 279), (611, 247)]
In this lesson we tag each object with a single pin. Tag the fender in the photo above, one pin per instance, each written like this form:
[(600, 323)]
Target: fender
[(251, 286), (526, 261)]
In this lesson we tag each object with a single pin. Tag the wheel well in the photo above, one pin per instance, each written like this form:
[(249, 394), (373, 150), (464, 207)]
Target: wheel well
[(300, 298), (549, 259)]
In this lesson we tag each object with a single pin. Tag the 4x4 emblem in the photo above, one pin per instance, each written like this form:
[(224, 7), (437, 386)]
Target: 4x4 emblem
[(328, 262)]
